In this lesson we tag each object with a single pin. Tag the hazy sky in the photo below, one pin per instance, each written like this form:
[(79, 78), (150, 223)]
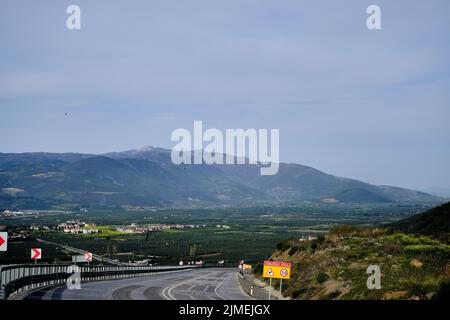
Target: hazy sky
[(371, 105)]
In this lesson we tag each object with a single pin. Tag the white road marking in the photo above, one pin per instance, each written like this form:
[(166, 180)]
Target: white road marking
[(217, 287)]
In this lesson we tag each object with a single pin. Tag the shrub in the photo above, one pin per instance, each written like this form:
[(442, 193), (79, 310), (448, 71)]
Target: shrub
[(334, 294), (320, 239), (421, 288), (426, 248), (322, 277), (258, 268), (283, 245), (376, 232), (391, 247), (412, 240), (293, 250), (297, 293), (443, 292)]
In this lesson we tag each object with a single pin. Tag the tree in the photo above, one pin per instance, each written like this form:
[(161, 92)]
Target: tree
[(193, 250)]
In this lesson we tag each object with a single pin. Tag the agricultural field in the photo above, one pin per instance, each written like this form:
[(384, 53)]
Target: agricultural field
[(250, 233)]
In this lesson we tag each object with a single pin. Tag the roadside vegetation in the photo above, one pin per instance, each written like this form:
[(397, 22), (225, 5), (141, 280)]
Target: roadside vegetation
[(334, 266)]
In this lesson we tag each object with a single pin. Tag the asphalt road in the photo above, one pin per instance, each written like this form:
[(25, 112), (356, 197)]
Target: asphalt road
[(202, 284)]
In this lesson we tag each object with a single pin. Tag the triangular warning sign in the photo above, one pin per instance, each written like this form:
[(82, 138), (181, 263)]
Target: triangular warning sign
[(269, 272)]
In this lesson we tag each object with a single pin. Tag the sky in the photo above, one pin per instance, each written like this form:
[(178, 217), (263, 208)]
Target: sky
[(370, 105)]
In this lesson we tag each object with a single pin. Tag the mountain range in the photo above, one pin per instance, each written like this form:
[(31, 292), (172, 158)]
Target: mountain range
[(147, 177)]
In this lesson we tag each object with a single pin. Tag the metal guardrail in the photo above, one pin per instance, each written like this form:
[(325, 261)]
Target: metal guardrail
[(23, 278)]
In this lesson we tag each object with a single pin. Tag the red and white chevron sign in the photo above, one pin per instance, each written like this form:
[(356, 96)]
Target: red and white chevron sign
[(88, 256), (3, 241), (36, 253)]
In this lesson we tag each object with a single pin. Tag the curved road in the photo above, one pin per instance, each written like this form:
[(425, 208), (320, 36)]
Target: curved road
[(202, 284)]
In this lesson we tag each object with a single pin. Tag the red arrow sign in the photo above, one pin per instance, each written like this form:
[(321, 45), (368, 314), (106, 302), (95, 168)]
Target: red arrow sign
[(88, 256), (3, 241), (36, 253)]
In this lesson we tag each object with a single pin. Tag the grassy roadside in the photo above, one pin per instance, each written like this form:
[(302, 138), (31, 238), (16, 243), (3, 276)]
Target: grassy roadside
[(334, 266)]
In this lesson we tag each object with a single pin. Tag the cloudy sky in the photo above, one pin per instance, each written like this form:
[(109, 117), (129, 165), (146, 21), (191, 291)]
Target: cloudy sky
[(371, 105)]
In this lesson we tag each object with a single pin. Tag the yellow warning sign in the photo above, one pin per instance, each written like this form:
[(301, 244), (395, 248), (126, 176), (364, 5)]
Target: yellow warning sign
[(247, 267), (277, 270)]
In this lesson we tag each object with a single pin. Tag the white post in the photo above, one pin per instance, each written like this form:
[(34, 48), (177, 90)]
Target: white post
[(281, 285), (270, 289)]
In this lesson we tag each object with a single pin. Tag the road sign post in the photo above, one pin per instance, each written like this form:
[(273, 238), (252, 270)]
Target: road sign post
[(270, 289), (281, 286)]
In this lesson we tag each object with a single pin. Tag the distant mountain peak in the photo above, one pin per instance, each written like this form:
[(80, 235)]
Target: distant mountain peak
[(146, 148), (148, 177)]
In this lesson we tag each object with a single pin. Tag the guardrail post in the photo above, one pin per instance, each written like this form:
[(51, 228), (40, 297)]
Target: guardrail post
[(2, 291)]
